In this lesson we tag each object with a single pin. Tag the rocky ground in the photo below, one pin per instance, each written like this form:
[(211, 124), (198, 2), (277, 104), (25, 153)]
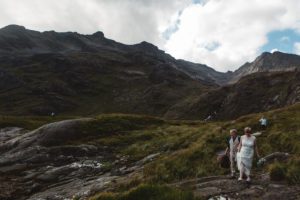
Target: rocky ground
[(38, 165), (223, 187), (32, 169)]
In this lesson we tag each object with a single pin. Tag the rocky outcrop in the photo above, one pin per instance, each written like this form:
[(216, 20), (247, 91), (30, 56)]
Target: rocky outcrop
[(56, 161), (268, 62)]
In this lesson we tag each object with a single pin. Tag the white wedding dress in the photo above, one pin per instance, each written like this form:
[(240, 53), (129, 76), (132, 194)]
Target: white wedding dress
[(245, 156)]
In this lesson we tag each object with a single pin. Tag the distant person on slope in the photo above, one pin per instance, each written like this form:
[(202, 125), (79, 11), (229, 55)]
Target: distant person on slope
[(246, 153), (263, 123), (208, 118), (232, 147)]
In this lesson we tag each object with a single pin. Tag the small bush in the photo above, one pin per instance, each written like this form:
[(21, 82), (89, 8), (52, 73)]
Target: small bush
[(293, 172), (277, 171)]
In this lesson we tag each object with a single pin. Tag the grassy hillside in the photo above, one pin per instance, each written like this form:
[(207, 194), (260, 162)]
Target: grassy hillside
[(91, 84), (29, 122), (188, 149), (95, 83), (185, 149)]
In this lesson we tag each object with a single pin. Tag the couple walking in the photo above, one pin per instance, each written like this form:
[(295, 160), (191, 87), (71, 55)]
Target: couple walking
[(241, 152)]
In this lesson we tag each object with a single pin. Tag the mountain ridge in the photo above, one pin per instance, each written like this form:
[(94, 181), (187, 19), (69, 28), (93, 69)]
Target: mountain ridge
[(70, 73), (67, 72), (276, 61), (18, 39), (30, 42)]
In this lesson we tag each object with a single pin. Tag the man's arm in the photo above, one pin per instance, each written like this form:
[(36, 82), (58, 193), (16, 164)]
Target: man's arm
[(226, 151), (237, 145)]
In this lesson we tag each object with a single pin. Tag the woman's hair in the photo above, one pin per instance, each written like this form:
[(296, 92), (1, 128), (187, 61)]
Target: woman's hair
[(233, 131), (247, 130)]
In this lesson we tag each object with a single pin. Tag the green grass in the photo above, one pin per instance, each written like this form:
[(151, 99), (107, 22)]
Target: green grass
[(289, 171), (115, 129), (80, 86), (29, 122), (293, 170), (148, 192), (199, 157)]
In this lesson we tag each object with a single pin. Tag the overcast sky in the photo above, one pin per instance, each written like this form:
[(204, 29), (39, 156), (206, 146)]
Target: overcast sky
[(223, 34)]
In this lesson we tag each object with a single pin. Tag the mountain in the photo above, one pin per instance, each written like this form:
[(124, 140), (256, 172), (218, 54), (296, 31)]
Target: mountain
[(253, 93), (74, 74), (268, 62), (16, 39), (70, 73), (203, 72)]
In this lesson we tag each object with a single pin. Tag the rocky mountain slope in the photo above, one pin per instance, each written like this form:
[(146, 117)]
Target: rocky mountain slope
[(18, 40), (251, 94), (268, 62), (91, 83), (116, 156), (69, 73), (74, 74)]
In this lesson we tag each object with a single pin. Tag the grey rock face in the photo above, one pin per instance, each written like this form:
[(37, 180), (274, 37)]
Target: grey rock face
[(268, 62)]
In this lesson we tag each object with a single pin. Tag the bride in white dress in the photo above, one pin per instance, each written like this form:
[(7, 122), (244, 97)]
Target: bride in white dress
[(246, 153)]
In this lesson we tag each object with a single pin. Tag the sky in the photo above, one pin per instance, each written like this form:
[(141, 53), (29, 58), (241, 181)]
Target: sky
[(223, 34)]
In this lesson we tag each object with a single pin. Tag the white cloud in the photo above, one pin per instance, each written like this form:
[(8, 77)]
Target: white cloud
[(239, 28), (127, 21), (297, 48)]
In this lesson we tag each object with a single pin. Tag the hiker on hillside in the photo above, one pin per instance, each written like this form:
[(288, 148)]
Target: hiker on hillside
[(208, 118), (245, 154), (232, 147), (263, 123)]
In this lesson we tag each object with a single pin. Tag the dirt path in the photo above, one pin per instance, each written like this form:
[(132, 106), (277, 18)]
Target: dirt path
[(223, 187)]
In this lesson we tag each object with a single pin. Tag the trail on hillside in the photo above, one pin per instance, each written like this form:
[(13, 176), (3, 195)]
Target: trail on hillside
[(223, 187)]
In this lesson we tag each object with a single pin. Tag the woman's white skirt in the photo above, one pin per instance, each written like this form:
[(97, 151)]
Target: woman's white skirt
[(238, 160), (244, 163)]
